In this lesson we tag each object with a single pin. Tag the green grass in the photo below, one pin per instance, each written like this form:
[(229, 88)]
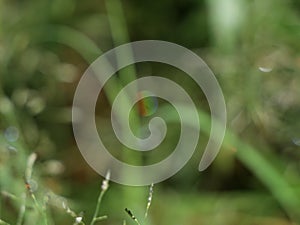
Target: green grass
[(263, 110)]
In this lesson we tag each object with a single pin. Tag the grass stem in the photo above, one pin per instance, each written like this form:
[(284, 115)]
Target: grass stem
[(104, 188)]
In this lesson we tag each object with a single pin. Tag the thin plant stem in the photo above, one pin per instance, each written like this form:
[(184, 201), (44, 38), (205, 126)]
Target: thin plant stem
[(28, 174), (96, 213), (100, 218), (40, 209), (104, 187), (149, 199), (22, 210), (132, 216), (120, 35)]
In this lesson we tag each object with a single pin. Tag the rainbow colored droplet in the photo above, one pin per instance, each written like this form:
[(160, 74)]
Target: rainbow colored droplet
[(147, 105)]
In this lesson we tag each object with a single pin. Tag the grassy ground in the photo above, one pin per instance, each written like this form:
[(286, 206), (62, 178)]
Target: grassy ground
[(251, 46)]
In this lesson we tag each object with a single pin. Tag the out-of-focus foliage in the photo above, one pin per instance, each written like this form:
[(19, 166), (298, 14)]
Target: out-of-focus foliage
[(251, 45)]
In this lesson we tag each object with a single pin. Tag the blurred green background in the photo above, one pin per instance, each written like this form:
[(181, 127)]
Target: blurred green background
[(253, 48)]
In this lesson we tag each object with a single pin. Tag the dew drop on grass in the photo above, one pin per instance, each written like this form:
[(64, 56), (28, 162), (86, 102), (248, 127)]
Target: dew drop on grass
[(33, 185), (296, 141), (265, 69), (64, 205), (78, 219), (11, 149), (11, 134), (147, 106)]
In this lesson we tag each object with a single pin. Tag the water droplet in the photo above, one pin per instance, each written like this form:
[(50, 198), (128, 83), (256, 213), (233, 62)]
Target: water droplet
[(11, 149), (265, 69), (78, 219), (11, 134), (296, 141), (107, 177), (148, 104), (33, 185), (64, 205)]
